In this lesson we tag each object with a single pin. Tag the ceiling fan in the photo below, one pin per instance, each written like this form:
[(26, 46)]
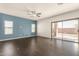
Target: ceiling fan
[(33, 13)]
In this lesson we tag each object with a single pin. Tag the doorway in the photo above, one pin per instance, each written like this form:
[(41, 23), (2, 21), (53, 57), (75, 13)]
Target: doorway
[(66, 30)]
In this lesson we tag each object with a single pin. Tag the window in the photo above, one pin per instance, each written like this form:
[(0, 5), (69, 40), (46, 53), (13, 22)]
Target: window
[(33, 28), (8, 27)]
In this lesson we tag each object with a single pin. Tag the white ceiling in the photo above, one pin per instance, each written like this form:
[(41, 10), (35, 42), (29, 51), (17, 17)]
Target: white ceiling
[(47, 9)]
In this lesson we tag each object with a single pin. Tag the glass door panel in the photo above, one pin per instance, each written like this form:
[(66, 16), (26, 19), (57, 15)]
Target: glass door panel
[(59, 30), (53, 30), (70, 30)]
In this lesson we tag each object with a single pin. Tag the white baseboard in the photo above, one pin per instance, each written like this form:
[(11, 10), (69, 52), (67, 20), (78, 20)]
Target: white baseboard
[(15, 38)]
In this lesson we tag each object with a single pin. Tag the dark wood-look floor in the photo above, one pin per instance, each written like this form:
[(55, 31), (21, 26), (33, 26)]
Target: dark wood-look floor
[(38, 46)]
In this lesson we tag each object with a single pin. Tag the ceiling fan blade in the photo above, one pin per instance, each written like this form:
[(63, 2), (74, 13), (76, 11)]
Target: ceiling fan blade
[(38, 14)]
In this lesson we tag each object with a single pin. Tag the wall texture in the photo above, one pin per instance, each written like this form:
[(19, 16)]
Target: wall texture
[(21, 27), (44, 26)]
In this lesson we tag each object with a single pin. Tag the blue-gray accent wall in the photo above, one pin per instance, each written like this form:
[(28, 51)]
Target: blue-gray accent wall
[(21, 26)]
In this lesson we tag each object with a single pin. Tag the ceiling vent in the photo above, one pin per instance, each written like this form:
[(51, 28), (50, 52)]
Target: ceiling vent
[(59, 3)]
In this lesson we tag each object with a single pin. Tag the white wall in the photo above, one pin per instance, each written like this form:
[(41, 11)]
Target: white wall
[(44, 26)]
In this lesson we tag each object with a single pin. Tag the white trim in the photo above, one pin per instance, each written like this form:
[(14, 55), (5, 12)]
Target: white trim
[(16, 38)]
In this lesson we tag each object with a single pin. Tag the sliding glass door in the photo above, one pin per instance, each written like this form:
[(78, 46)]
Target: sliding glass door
[(66, 30), (70, 30), (57, 30)]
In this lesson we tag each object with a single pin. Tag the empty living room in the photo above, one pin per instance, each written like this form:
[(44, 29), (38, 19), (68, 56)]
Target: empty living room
[(39, 29)]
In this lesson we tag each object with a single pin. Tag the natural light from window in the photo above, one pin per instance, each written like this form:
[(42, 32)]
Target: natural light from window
[(8, 27), (33, 28)]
